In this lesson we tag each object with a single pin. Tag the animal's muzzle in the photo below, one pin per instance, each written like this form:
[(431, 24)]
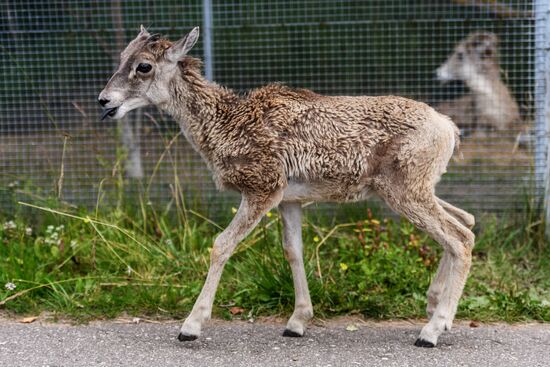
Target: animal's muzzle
[(109, 112)]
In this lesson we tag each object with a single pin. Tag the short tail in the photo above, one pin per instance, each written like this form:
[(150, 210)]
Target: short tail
[(457, 140), (456, 136)]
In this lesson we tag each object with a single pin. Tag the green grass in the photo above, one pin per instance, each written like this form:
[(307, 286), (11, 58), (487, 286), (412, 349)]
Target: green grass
[(147, 262)]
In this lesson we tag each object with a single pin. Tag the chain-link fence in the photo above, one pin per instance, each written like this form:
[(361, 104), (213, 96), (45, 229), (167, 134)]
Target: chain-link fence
[(58, 55)]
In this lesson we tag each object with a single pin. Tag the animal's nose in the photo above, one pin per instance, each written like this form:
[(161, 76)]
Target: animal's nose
[(441, 74), (103, 101)]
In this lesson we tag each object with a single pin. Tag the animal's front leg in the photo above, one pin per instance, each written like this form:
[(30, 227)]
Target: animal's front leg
[(291, 214), (249, 214)]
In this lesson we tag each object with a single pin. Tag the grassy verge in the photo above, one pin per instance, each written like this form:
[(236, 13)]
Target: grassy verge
[(146, 262)]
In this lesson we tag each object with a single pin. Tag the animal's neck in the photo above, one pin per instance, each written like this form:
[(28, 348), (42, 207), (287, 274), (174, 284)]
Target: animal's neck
[(485, 83), (194, 103), (493, 100)]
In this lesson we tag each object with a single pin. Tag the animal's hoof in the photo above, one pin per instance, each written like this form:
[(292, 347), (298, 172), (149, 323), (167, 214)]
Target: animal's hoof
[(423, 343), (291, 334), (186, 337)]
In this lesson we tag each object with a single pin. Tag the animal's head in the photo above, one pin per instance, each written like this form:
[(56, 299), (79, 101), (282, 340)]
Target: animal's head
[(146, 68), (473, 56)]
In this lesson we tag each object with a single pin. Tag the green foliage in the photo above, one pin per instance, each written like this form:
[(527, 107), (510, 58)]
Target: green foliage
[(88, 266)]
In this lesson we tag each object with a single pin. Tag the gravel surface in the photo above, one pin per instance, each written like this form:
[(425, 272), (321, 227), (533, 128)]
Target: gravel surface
[(239, 343)]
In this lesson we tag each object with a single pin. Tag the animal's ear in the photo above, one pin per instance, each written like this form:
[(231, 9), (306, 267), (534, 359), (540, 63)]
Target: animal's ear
[(180, 48), (143, 32), (485, 44)]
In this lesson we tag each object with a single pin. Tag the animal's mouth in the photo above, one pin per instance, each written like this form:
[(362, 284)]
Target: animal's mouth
[(109, 112)]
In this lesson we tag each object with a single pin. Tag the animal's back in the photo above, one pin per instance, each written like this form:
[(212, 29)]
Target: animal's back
[(329, 143)]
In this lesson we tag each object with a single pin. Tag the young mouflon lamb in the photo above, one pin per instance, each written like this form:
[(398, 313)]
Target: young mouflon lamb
[(280, 146)]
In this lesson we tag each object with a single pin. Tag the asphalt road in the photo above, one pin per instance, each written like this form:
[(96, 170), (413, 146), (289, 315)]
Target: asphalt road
[(239, 343)]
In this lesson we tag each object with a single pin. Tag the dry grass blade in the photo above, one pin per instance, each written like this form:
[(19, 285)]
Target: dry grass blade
[(92, 222), (323, 240)]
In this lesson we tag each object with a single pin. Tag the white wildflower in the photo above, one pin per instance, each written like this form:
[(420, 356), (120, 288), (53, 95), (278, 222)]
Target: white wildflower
[(74, 244), (129, 270), (52, 235), (10, 286), (169, 242), (10, 225), (50, 241), (13, 184), (28, 231)]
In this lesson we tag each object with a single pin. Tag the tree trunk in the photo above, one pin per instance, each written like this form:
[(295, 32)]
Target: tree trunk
[(130, 131)]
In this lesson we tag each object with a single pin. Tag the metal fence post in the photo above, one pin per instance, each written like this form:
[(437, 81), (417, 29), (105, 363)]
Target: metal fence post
[(542, 104), (547, 118), (207, 38)]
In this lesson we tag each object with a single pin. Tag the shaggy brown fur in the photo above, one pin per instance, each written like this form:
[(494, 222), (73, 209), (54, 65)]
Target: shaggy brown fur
[(280, 146), (277, 134)]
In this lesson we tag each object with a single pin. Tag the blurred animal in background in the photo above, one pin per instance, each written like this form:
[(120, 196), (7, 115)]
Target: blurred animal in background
[(488, 105)]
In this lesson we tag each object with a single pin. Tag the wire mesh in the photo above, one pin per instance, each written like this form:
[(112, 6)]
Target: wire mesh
[(58, 55)]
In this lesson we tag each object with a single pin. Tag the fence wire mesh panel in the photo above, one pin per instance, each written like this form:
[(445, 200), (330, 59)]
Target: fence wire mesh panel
[(473, 60)]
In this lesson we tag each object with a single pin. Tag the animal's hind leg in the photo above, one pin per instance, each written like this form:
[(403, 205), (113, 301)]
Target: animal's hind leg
[(436, 287), (437, 284), (424, 211), (462, 216)]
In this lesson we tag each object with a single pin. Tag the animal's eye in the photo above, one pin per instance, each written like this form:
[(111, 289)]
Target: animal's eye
[(487, 53), (144, 68)]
